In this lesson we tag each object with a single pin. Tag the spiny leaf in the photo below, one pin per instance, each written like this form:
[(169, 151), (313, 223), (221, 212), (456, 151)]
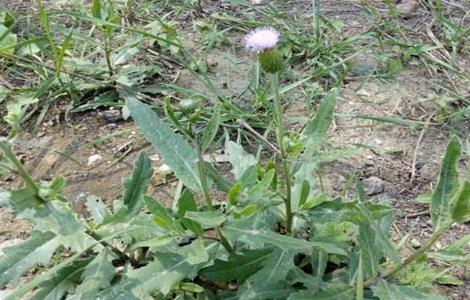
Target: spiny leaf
[(162, 216), (370, 253), (178, 155), (275, 268), (388, 291), (340, 292), (136, 185), (239, 159), (62, 282), (97, 208), (272, 290), (21, 258), (282, 241), (454, 252), (187, 203), (448, 183), (207, 219), (97, 275), (96, 9), (460, 203), (196, 252), (238, 267), (161, 275), (317, 128), (211, 130)]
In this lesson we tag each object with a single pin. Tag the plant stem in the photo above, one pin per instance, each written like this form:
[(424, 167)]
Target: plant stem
[(425, 247), (115, 250), (28, 181), (107, 54), (207, 196), (202, 177), (280, 133)]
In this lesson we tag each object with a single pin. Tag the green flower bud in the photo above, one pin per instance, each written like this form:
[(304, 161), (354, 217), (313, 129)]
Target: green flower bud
[(270, 60)]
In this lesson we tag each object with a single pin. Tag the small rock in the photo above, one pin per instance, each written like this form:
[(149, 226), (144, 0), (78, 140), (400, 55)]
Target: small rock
[(110, 126), (155, 157), (408, 8), (94, 159), (415, 243), (164, 170), (373, 185), (112, 115)]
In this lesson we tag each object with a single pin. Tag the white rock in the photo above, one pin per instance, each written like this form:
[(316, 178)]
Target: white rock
[(164, 170), (94, 159)]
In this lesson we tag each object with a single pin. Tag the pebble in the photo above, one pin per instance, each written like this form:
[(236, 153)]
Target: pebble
[(373, 185), (415, 243), (112, 116), (94, 159)]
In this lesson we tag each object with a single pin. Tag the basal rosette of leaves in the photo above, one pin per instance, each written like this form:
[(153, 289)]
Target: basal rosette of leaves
[(338, 248)]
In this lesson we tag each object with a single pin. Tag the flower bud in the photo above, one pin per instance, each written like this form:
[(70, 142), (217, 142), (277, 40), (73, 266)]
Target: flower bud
[(270, 61)]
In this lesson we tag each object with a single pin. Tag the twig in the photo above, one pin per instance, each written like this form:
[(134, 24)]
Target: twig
[(245, 125), (418, 214), (418, 143)]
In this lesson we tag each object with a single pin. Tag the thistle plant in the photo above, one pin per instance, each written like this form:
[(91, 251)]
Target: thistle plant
[(263, 42)]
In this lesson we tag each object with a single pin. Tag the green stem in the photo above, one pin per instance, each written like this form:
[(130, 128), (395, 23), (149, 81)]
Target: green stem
[(425, 247), (280, 133), (207, 196), (107, 54), (202, 178), (28, 181)]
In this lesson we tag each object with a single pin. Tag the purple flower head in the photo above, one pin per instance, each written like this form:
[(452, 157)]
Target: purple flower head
[(261, 39)]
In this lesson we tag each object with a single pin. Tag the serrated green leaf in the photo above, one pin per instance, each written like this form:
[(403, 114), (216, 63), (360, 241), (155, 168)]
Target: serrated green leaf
[(97, 209), (187, 203), (54, 216), (207, 219), (388, 291), (247, 211), (239, 159), (454, 252), (196, 252), (284, 242), (370, 253), (380, 236), (96, 9), (275, 268), (154, 242), (96, 276), (136, 184), (448, 183), (271, 290), (341, 292), (460, 203), (19, 259), (161, 275), (63, 282), (191, 287), (304, 192), (316, 129), (7, 41), (177, 154), (234, 193), (211, 130), (238, 267), (305, 173), (162, 216)]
